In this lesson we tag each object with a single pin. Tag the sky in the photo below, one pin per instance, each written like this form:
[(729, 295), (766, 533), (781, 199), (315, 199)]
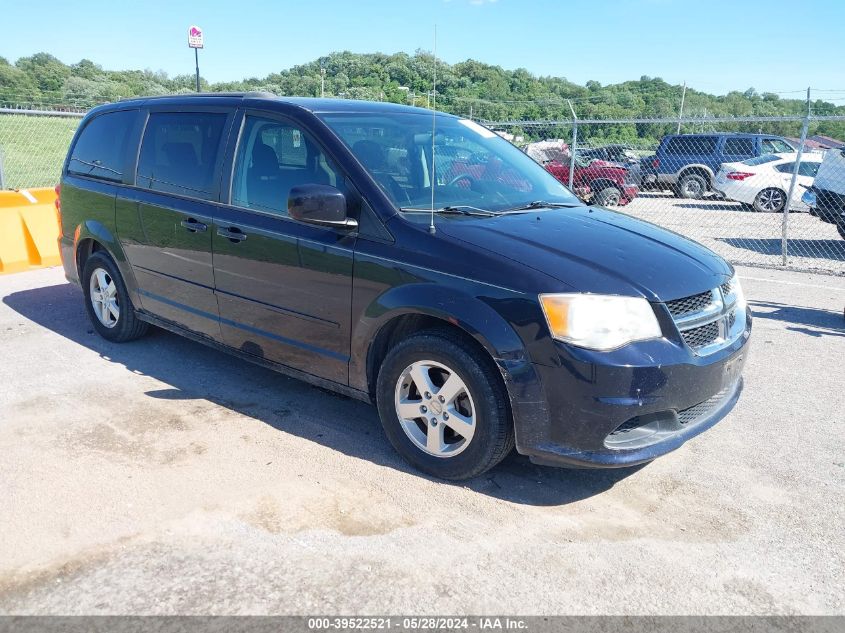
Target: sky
[(780, 46)]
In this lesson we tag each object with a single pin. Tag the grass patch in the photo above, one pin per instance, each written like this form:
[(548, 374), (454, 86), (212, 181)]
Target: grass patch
[(33, 148)]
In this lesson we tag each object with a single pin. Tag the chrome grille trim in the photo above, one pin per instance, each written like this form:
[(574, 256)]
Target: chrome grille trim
[(715, 322)]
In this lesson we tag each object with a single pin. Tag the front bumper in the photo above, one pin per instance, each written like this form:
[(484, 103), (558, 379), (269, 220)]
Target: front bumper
[(629, 192), (658, 389)]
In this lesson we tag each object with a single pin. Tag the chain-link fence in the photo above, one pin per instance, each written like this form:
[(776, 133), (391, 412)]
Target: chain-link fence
[(737, 185), (33, 144)]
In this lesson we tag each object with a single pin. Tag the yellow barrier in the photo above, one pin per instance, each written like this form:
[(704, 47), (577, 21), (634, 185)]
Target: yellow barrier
[(29, 230)]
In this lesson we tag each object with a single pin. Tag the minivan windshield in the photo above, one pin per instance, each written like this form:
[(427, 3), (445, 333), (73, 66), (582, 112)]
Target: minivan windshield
[(472, 166)]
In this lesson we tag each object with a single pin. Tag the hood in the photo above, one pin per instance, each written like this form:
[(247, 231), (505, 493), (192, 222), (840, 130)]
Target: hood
[(595, 250)]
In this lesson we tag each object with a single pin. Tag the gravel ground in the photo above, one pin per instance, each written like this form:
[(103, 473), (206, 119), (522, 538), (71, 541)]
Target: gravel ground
[(162, 477), (741, 235)]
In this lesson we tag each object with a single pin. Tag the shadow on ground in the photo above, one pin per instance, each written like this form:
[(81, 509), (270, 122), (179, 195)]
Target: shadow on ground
[(819, 249), (810, 321), (189, 367)]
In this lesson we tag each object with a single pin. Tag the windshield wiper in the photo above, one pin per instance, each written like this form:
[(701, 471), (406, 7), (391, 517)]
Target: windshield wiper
[(543, 204), (459, 209)]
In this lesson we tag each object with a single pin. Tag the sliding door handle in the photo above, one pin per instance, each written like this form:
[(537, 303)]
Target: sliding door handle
[(193, 226), (232, 233)]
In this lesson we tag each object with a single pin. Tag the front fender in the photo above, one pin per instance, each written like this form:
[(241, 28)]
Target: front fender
[(476, 316)]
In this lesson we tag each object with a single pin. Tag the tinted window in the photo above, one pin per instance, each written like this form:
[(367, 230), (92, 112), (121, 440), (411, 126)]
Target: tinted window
[(691, 145), (804, 169), (808, 169), (101, 149), (179, 152), (739, 147), (776, 145), (273, 157), (761, 160)]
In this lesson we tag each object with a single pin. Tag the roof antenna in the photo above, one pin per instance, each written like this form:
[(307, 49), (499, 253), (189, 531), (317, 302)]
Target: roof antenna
[(431, 228)]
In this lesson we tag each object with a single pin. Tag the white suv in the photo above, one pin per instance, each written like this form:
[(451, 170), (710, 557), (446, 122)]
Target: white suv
[(826, 198)]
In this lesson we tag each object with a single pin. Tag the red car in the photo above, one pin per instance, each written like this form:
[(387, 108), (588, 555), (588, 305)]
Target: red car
[(596, 181)]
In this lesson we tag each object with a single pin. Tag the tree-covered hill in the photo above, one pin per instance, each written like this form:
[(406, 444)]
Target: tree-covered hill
[(470, 87)]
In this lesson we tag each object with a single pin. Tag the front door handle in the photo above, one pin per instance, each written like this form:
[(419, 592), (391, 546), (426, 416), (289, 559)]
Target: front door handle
[(193, 226), (232, 233)]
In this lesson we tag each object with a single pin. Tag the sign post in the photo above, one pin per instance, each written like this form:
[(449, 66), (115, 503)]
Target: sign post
[(195, 41)]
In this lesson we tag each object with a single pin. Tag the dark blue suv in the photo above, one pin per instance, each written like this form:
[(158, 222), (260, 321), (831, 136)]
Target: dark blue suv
[(687, 163)]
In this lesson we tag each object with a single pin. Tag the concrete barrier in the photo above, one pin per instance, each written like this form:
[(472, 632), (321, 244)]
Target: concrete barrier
[(29, 230)]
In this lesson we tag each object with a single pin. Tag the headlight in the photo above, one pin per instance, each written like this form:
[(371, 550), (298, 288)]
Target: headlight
[(598, 321)]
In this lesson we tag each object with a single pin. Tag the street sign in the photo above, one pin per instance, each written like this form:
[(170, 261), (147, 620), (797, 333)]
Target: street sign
[(195, 37)]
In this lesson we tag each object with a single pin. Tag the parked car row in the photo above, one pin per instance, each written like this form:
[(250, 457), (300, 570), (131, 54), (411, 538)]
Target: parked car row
[(687, 164), (596, 178)]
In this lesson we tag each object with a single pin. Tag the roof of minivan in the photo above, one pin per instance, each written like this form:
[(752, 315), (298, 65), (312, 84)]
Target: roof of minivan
[(316, 105)]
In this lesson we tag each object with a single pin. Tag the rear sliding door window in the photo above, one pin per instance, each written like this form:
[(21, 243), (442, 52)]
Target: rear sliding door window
[(100, 151), (179, 153)]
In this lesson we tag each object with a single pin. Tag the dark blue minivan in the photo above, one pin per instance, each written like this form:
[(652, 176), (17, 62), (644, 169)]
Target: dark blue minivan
[(409, 259)]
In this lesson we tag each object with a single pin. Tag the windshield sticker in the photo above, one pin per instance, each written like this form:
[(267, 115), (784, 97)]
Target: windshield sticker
[(472, 125)]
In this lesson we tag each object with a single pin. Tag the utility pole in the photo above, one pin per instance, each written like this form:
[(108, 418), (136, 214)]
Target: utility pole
[(574, 143), (784, 245), (681, 111)]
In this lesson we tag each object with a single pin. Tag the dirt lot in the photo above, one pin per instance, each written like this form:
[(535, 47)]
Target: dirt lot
[(742, 235), (164, 477)]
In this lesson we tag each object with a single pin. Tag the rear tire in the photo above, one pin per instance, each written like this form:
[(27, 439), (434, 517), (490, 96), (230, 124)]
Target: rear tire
[(431, 433), (771, 200), (608, 197), (107, 301), (693, 186)]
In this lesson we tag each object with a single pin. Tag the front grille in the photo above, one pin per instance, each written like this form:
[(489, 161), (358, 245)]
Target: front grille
[(698, 411), (707, 320), (698, 337), (689, 305)]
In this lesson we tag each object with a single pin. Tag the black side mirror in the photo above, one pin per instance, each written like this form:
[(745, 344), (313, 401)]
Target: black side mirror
[(319, 204)]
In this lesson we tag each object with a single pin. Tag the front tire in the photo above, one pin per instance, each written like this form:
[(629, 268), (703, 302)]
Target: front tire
[(608, 197), (443, 406), (107, 301)]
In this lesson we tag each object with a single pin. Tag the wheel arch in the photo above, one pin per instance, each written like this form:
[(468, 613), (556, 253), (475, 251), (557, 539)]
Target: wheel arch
[(93, 236), (598, 184), (697, 168), (404, 310)]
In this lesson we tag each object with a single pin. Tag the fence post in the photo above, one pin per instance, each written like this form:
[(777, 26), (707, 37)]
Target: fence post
[(784, 235), (2, 175), (574, 143)]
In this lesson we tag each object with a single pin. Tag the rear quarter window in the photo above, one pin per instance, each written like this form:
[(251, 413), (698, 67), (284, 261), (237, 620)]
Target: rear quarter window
[(739, 147), (100, 151), (691, 145)]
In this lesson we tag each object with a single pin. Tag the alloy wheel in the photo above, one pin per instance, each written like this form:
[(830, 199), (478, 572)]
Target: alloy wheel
[(104, 298), (771, 200), (435, 408)]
